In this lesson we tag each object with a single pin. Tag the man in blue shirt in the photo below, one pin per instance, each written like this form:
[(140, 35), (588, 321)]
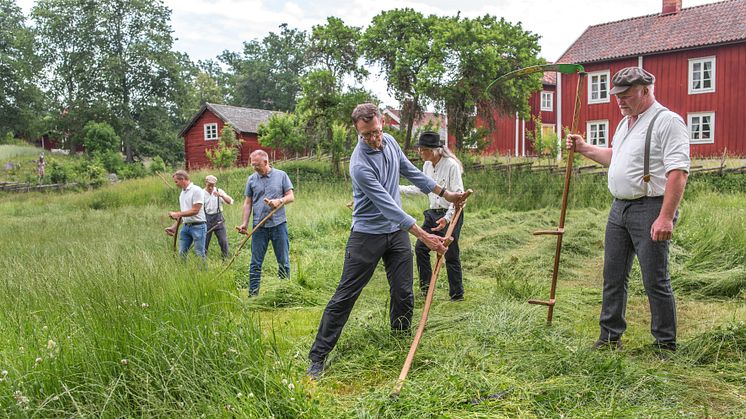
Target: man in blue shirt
[(379, 231), (266, 190)]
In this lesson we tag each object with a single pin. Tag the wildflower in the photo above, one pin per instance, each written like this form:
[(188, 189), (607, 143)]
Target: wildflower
[(145, 305), (124, 361), (251, 394), (239, 395), (21, 400), (38, 360), (4, 373), (51, 344), (44, 328), (291, 386), (284, 381), (292, 399)]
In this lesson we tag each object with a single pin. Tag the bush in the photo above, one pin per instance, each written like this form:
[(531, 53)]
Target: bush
[(157, 165), (58, 173), (112, 161), (133, 171), (100, 138), (91, 173)]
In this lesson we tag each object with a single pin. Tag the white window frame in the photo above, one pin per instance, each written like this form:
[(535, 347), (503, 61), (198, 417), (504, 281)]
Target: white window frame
[(594, 139), (701, 61), (211, 131), (690, 123), (547, 101), (591, 84)]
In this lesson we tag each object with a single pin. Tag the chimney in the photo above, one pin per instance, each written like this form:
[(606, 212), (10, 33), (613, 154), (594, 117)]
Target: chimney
[(671, 7)]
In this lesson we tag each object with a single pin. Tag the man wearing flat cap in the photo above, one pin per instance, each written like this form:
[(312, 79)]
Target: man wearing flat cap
[(445, 169), (214, 200), (648, 169)]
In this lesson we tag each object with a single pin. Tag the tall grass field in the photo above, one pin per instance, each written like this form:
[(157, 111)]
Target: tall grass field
[(99, 318)]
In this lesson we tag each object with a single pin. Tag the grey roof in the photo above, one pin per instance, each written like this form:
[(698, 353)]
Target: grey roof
[(244, 120)]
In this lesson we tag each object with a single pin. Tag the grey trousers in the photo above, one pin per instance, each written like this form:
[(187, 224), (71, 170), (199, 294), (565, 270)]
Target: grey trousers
[(627, 235)]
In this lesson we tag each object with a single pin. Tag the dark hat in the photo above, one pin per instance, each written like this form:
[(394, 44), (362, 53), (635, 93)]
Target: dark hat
[(429, 139), (627, 77)]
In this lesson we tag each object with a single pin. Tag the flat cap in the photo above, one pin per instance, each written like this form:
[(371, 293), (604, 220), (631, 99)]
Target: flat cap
[(211, 179), (429, 139), (627, 77)]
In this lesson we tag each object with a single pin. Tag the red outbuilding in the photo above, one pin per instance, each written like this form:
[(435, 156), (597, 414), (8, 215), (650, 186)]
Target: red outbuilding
[(203, 132)]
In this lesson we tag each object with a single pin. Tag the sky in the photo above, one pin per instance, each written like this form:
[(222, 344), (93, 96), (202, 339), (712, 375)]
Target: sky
[(205, 28)]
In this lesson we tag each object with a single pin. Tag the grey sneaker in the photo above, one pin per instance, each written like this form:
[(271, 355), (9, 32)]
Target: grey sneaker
[(315, 370)]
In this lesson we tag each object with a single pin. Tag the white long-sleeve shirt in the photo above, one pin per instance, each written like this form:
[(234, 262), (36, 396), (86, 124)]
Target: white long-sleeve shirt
[(446, 173)]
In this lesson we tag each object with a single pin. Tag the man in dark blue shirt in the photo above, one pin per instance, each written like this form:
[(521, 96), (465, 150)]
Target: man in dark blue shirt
[(379, 231)]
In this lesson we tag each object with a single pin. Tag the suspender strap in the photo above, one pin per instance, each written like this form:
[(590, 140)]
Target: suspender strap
[(648, 136)]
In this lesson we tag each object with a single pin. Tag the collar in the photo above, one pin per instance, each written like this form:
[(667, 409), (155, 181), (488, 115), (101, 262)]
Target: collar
[(189, 186)]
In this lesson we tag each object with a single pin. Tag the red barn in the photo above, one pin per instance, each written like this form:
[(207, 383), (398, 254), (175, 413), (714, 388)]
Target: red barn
[(510, 134), (203, 132), (698, 56)]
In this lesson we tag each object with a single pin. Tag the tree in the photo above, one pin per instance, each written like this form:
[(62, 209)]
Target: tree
[(266, 75), (21, 102), (283, 132), (100, 138), (401, 42), (334, 47), (478, 51), (224, 154), (110, 61)]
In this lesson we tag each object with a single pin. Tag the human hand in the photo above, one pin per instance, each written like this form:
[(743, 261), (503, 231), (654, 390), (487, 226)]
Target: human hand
[(434, 242), (242, 229), (174, 215), (662, 229), (442, 223), (575, 139)]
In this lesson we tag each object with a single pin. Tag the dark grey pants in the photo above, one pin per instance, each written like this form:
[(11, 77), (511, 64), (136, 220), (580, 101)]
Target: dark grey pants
[(220, 232), (453, 255), (361, 258), (627, 235)]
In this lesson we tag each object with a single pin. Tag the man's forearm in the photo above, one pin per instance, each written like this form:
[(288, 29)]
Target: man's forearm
[(600, 155), (675, 185)]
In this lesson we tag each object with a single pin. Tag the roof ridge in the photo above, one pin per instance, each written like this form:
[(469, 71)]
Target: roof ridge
[(658, 14)]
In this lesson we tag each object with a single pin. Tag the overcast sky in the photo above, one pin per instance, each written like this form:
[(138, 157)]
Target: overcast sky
[(205, 28)]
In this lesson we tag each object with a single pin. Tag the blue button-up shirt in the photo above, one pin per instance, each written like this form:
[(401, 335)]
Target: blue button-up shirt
[(274, 185), (375, 187)]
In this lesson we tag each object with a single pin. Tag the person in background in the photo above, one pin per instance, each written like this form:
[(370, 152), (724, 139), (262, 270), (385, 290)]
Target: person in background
[(214, 199), (267, 189), (445, 169), (192, 215), (647, 190)]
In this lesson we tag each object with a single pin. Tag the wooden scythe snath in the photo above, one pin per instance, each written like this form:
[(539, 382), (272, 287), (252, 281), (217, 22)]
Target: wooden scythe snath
[(176, 232), (429, 299), (560, 231), (248, 236)]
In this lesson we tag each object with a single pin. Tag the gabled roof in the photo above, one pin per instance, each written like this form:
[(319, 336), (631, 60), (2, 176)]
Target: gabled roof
[(549, 78), (243, 120), (427, 117), (709, 24)]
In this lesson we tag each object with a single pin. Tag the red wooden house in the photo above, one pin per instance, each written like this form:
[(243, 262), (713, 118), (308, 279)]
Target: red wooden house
[(203, 132), (511, 134), (698, 56)]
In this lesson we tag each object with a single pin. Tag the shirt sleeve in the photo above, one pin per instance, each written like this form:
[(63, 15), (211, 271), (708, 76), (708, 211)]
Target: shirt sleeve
[(455, 184), (413, 174), (248, 192), (374, 190), (286, 184), (674, 137)]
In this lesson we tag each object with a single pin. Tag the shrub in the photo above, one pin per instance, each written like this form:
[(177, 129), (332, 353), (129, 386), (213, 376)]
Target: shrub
[(58, 173), (100, 137), (157, 165)]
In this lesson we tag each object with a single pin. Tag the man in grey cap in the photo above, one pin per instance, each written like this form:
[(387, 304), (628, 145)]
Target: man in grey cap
[(648, 170)]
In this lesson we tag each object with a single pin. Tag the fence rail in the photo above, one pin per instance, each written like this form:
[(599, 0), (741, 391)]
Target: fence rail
[(30, 187)]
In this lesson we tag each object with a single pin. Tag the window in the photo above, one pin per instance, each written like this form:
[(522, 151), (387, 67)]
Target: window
[(211, 132), (598, 87), (702, 128), (701, 75), (547, 98), (598, 133)]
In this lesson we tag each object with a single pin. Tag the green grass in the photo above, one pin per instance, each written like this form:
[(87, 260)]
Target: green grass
[(101, 319)]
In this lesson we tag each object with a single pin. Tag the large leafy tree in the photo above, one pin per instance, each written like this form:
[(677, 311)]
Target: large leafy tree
[(111, 61), (21, 102), (477, 51), (266, 74), (334, 47), (401, 42)]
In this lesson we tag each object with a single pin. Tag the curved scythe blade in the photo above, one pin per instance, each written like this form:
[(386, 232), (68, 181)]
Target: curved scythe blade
[(561, 68)]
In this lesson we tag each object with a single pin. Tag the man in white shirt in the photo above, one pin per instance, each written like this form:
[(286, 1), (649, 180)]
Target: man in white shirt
[(445, 169), (647, 182), (194, 224), (214, 199)]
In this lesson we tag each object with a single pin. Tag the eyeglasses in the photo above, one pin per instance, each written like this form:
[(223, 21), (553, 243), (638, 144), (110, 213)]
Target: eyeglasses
[(370, 134)]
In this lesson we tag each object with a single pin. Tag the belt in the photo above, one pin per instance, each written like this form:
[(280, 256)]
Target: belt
[(214, 213), (640, 198), (439, 210), (196, 223)]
